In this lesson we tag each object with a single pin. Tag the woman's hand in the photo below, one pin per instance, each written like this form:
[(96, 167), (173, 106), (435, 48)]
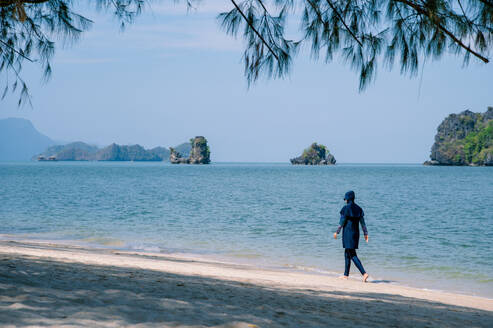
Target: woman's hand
[(366, 238), (335, 235)]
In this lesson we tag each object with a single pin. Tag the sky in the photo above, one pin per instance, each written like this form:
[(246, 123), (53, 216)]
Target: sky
[(174, 74)]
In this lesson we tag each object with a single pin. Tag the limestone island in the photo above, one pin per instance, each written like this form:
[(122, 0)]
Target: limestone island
[(464, 139), (315, 155), (199, 154)]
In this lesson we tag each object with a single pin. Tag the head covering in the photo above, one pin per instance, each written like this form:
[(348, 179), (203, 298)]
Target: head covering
[(351, 209), (349, 195)]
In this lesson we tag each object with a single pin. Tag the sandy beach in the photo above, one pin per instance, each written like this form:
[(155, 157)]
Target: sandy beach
[(43, 284)]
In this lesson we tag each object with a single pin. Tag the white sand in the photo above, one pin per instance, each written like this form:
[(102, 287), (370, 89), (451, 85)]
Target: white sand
[(44, 284)]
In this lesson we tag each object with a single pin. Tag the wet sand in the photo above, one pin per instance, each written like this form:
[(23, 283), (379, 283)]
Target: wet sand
[(43, 284)]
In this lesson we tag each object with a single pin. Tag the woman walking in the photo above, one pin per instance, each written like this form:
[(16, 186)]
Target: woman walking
[(351, 216)]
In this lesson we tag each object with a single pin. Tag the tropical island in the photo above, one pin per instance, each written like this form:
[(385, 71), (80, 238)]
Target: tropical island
[(199, 153), (316, 154), (464, 139)]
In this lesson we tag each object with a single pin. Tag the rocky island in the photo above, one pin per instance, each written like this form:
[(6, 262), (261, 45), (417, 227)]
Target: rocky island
[(315, 155), (199, 153), (464, 139)]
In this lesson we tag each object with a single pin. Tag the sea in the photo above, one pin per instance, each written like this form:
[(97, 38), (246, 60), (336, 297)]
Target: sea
[(429, 227)]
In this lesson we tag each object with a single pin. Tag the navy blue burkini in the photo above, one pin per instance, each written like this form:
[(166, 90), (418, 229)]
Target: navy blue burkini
[(351, 217)]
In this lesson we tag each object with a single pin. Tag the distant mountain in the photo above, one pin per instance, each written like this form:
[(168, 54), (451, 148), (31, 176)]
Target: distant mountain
[(161, 152), (116, 152), (74, 151), (184, 149), (80, 151), (19, 140)]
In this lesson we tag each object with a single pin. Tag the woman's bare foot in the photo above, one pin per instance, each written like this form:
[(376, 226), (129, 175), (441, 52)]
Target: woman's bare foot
[(343, 277), (365, 277)]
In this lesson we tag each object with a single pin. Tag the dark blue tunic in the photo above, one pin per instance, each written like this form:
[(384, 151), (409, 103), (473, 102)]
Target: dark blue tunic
[(351, 217)]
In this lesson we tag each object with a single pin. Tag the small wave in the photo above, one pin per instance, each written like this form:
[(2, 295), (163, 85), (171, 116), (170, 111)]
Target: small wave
[(105, 241), (310, 269), (144, 248), (243, 255)]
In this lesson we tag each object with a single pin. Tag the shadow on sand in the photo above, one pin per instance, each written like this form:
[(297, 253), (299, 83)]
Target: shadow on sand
[(44, 293)]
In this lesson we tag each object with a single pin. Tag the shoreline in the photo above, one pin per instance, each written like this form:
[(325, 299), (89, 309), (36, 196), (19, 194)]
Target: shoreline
[(227, 259), (396, 279), (96, 274)]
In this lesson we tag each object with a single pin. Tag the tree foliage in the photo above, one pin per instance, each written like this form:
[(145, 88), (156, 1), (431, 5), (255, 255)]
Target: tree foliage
[(364, 33), (479, 143), (28, 30)]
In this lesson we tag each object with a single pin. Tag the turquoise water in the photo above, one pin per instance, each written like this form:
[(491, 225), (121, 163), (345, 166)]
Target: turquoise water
[(429, 227)]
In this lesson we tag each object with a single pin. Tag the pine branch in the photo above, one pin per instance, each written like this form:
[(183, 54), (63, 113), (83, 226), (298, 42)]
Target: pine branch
[(255, 30), (16, 51), (434, 20), (343, 22)]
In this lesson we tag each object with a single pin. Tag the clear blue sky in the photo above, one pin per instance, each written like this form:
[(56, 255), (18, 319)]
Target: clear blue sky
[(174, 75)]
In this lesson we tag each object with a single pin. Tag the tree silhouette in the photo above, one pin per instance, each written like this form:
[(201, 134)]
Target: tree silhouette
[(361, 32), (364, 33), (28, 28)]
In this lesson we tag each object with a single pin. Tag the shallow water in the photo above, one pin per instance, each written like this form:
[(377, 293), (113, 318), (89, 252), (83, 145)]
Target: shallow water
[(429, 226)]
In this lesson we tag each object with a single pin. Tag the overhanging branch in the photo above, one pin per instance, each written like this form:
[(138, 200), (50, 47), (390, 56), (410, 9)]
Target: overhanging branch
[(16, 51), (255, 30), (434, 20), (343, 22)]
